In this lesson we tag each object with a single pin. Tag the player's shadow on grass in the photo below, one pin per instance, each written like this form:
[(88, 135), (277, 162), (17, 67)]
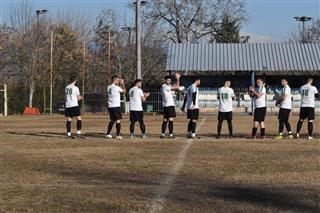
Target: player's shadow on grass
[(287, 199)]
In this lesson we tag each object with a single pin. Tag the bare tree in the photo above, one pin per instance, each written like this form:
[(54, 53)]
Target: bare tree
[(192, 20)]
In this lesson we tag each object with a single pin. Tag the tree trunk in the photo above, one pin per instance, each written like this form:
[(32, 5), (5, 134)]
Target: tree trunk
[(31, 91)]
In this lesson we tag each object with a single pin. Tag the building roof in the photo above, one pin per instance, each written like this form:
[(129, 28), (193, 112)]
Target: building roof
[(243, 57)]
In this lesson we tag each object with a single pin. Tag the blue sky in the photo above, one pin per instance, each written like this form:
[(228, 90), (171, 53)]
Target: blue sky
[(270, 20)]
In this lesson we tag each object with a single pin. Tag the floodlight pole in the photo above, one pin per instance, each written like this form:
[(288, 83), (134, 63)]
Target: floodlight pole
[(138, 37), (303, 19), (253, 83)]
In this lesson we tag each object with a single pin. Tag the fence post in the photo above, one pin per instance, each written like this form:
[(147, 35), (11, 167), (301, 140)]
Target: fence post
[(5, 100)]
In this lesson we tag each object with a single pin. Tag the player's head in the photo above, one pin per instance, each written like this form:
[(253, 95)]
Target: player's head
[(284, 82), (115, 79), (196, 80), (73, 79), (138, 83), (167, 79), (227, 83), (260, 82), (309, 80)]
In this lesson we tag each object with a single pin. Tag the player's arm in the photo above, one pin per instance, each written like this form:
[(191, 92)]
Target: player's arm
[(79, 97), (184, 103), (316, 94), (255, 93), (233, 96), (176, 86), (123, 86), (145, 96)]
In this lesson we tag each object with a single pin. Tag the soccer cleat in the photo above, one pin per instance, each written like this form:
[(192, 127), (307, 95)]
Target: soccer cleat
[(118, 137), (131, 136), (79, 132), (278, 137), (162, 136), (171, 136), (193, 135), (310, 137), (144, 136), (297, 135), (218, 137), (262, 137), (108, 136)]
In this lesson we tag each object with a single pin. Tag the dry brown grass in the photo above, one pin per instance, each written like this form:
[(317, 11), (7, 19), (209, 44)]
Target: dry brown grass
[(42, 171)]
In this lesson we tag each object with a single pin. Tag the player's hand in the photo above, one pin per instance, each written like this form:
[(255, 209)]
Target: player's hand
[(121, 81), (182, 109), (177, 75), (251, 89), (146, 94), (192, 107)]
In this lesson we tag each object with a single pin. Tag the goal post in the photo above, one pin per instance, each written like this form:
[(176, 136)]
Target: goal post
[(5, 100)]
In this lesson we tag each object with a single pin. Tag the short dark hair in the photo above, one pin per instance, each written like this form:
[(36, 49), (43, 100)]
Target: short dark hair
[(261, 79), (195, 78), (137, 81), (285, 79), (114, 77), (167, 77), (73, 78), (309, 78)]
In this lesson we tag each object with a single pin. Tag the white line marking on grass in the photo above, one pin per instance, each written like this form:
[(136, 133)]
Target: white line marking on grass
[(158, 202)]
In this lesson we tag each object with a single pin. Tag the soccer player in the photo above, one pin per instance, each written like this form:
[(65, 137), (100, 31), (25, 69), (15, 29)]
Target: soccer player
[(259, 95), (225, 96), (308, 95), (192, 101), (137, 96), (285, 104), (169, 112), (72, 96), (113, 91)]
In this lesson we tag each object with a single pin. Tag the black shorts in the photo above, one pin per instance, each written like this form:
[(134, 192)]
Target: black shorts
[(193, 114), (284, 114), (307, 112), (169, 112), (136, 115), (260, 114), (225, 116), (115, 113), (72, 112)]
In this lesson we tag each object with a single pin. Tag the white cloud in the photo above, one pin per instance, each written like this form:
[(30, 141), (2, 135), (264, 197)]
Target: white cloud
[(256, 38)]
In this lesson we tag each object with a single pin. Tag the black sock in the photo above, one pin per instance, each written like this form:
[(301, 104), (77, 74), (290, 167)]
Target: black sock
[(170, 127), (310, 128), (110, 125), (299, 126), (219, 127), (254, 132), (288, 127), (190, 126), (164, 127), (132, 127), (142, 127), (230, 128), (68, 126), (79, 124), (262, 132), (281, 126), (118, 127), (194, 126)]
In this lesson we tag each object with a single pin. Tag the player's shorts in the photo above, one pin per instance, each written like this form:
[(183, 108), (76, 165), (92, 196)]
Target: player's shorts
[(193, 114), (225, 116), (307, 112), (260, 114), (136, 116), (72, 112), (169, 112), (115, 113), (284, 114)]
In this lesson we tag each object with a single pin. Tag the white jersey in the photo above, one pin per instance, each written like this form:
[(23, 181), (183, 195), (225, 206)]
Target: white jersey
[(225, 95), (261, 101), (286, 103), (71, 95), (192, 89), (167, 98), (114, 95), (308, 93), (135, 102)]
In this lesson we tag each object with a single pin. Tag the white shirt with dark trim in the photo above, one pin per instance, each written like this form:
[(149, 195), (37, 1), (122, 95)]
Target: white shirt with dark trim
[(286, 103), (308, 93), (135, 96), (113, 93), (71, 95), (167, 98), (225, 95), (192, 89), (261, 101)]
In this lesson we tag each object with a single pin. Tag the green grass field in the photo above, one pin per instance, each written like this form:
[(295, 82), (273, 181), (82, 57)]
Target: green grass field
[(43, 171)]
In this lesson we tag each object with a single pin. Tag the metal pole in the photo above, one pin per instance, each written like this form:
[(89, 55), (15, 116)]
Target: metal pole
[(51, 70), (253, 85), (109, 54), (83, 70), (5, 100), (138, 38), (44, 99), (303, 31)]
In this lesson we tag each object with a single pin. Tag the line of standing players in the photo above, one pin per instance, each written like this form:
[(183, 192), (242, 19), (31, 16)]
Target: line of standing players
[(225, 95)]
